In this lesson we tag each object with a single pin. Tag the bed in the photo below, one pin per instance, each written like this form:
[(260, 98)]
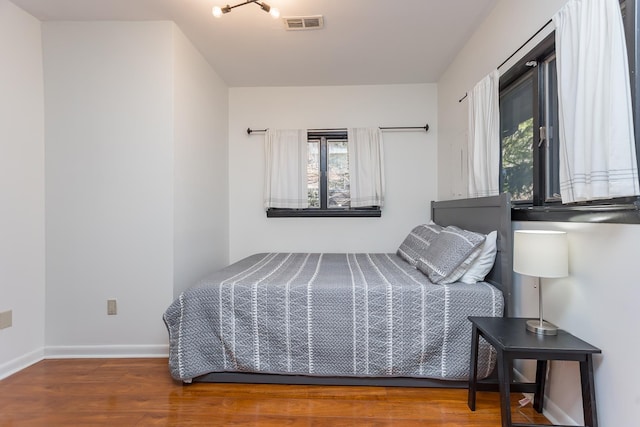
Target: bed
[(352, 319)]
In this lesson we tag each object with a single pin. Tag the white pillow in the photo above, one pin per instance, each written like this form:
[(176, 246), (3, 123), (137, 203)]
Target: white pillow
[(483, 264)]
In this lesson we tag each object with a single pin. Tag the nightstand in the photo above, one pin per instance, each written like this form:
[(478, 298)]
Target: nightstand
[(511, 340)]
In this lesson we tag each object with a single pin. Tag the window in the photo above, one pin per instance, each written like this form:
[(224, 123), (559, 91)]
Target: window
[(327, 180), (529, 135), (528, 128), (328, 172)]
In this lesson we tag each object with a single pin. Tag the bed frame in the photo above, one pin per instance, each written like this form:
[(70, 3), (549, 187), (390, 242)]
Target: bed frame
[(484, 215)]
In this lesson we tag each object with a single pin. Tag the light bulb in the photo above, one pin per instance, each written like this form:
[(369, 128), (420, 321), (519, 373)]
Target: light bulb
[(274, 12), (217, 11)]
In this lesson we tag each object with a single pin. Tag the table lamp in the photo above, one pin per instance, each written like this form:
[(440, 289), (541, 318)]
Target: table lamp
[(541, 253)]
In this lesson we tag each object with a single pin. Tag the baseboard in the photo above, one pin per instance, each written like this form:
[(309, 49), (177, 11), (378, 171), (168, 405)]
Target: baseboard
[(556, 415), (550, 410), (105, 351), (18, 364)]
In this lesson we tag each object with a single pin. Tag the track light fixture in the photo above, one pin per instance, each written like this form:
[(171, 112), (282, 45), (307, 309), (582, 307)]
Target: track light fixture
[(219, 11)]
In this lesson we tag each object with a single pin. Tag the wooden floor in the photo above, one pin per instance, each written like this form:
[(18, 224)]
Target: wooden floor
[(140, 392)]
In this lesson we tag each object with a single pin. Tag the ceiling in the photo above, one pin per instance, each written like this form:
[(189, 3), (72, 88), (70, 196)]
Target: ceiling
[(362, 42)]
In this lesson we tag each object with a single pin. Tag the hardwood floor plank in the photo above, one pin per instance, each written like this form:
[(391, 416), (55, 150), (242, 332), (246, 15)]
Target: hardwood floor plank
[(140, 392)]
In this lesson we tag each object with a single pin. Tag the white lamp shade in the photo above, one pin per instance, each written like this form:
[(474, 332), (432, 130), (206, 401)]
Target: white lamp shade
[(541, 253)]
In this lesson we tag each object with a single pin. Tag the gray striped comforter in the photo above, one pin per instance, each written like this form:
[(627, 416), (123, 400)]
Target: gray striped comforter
[(327, 314)]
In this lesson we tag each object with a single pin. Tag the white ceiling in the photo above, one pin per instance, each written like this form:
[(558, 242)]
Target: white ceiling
[(363, 41)]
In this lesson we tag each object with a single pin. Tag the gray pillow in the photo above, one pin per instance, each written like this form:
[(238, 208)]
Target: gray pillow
[(450, 254), (416, 243)]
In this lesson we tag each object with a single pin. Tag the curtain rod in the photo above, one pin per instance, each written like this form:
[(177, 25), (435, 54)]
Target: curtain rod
[(516, 51), (425, 128)]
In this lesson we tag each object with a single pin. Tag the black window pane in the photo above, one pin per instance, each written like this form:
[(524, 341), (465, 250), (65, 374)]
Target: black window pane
[(338, 175), (516, 134), (313, 174)]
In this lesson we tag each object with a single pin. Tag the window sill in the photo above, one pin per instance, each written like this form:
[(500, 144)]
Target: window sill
[(324, 213), (626, 213)]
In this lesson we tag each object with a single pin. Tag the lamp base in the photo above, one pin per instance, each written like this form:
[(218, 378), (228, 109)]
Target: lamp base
[(542, 328)]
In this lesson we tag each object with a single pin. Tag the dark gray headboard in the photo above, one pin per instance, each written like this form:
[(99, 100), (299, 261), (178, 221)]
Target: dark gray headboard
[(484, 215)]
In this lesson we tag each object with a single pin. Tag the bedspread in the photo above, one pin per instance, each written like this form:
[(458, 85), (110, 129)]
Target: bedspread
[(327, 314)]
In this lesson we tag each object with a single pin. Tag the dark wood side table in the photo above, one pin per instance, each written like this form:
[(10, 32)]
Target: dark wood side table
[(511, 340)]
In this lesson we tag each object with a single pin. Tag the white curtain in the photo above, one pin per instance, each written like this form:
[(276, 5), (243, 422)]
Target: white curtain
[(484, 137), (285, 183), (597, 144), (366, 167)]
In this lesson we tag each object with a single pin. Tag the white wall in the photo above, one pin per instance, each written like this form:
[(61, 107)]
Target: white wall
[(410, 165), (136, 181), (599, 301), (22, 262), (509, 25), (109, 183), (201, 216)]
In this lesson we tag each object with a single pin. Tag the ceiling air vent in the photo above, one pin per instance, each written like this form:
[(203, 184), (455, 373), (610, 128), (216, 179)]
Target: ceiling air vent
[(303, 22)]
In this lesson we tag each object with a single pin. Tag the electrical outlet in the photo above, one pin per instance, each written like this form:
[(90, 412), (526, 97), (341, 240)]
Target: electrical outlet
[(112, 307), (6, 320)]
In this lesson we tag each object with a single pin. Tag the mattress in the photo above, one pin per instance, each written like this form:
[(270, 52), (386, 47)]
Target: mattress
[(362, 315)]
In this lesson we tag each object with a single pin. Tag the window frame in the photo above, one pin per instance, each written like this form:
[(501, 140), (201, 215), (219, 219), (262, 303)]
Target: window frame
[(619, 210), (323, 211), (538, 54), (631, 21)]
